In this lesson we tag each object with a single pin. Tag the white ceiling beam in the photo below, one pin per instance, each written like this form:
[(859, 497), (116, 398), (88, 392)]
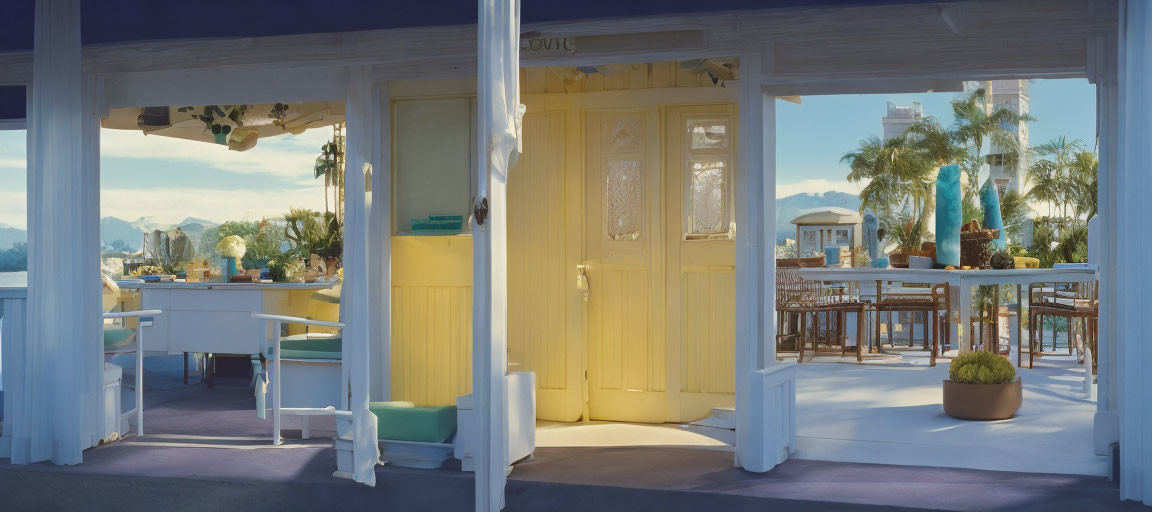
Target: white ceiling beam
[(1018, 38)]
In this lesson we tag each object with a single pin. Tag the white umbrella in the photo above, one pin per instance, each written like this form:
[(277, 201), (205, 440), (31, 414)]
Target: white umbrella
[(237, 126)]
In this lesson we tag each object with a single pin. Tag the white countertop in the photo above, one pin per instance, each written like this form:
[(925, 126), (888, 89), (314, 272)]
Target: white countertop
[(13, 285)]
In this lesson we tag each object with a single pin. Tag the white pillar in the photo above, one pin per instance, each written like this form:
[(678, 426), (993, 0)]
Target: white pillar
[(380, 248), (56, 410), (1106, 424), (354, 312), (765, 412), (1134, 290), (498, 99)]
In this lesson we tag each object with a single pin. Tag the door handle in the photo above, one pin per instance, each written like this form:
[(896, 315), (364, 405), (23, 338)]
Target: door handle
[(583, 282)]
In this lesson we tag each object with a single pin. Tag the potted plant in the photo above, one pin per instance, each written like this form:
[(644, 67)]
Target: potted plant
[(908, 234), (982, 386)]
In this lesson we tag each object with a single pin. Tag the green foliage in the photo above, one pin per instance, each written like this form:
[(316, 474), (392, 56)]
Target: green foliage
[(278, 267), (315, 233), (906, 233), (14, 259), (1059, 240), (981, 368), (1014, 214), (261, 238)]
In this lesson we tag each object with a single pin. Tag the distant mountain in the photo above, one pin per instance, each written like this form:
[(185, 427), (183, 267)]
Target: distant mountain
[(10, 235), (788, 208), (113, 229), (148, 224), (202, 222)]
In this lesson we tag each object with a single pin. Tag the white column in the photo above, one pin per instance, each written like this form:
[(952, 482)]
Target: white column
[(497, 87), (1134, 289), (380, 248), (354, 294), (1106, 424), (54, 405), (765, 398)]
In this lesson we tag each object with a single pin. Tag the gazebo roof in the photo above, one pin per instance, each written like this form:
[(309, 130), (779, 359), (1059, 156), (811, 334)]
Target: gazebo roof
[(826, 216)]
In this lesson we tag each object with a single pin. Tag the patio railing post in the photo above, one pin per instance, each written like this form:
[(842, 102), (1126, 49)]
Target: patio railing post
[(276, 378)]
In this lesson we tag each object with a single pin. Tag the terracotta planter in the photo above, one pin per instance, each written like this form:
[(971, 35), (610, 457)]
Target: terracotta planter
[(898, 260), (982, 402)]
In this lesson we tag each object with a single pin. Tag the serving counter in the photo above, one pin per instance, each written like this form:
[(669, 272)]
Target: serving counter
[(215, 317)]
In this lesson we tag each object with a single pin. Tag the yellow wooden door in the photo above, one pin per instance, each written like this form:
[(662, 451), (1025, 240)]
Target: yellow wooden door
[(540, 290), (624, 246), (699, 161)]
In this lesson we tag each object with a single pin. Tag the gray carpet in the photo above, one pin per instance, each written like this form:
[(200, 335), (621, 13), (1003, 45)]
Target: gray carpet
[(144, 474)]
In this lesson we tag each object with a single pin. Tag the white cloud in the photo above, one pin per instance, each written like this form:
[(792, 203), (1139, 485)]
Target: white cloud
[(170, 205), (814, 186), (13, 163), (13, 208), (286, 156)]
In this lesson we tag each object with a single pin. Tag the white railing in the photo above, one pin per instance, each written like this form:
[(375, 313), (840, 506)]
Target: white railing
[(13, 317), (145, 320), (276, 321), (774, 388)]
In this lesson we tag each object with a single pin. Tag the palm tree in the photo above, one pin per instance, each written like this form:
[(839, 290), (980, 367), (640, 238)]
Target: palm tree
[(975, 123), (1046, 186), (1082, 183), (1053, 171), (900, 178)]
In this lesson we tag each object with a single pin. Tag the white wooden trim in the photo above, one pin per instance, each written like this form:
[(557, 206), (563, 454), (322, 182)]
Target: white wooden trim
[(1106, 423), (380, 248)]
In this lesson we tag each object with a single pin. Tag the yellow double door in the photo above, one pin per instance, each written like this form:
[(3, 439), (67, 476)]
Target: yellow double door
[(648, 213)]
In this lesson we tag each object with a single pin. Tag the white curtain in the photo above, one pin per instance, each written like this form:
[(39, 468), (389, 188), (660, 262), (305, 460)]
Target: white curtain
[(354, 302), (57, 401), (1134, 287), (498, 128)]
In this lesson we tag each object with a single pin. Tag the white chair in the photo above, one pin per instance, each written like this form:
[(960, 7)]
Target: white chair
[(144, 320), (313, 388)]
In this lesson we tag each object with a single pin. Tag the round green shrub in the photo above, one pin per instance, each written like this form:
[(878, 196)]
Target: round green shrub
[(981, 368)]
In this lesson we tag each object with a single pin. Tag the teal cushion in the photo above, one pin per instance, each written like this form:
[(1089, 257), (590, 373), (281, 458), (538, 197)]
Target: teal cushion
[(309, 346), (402, 422), (117, 336)]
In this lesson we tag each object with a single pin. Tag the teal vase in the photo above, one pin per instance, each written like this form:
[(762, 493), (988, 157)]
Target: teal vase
[(949, 216), (229, 268), (990, 200)]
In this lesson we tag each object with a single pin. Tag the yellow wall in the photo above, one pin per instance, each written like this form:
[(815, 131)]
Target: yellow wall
[(685, 371), (431, 318)]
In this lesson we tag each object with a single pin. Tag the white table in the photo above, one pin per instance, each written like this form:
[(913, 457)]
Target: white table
[(960, 283), (211, 317)]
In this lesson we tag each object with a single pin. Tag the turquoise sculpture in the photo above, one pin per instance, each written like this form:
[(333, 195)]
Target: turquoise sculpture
[(949, 216), (990, 200), (871, 239)]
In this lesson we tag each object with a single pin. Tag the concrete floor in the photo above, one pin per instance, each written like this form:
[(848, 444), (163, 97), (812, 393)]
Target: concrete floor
[(888, 411)]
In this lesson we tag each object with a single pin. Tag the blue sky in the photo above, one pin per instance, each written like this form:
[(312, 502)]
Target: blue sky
[(171, 179)]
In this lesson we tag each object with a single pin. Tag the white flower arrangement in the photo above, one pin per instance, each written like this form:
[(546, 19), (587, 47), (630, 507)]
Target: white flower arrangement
[(231, 247)]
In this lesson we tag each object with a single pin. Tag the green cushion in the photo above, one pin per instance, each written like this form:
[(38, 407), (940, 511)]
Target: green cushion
[(400, 422), (309, 346), (116, 336)]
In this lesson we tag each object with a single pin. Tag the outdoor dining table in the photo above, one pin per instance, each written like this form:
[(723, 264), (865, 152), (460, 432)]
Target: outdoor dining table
[(960, 284)]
